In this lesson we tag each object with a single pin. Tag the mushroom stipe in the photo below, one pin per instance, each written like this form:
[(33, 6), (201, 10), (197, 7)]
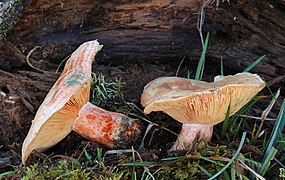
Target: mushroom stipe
[(108, 128)]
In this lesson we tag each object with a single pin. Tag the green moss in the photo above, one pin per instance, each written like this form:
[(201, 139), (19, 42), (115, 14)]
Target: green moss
[(178, 171), (108, 94), (63, 170)]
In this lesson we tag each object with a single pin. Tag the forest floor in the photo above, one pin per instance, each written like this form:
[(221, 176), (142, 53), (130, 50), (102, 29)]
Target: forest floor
[(75, 157)]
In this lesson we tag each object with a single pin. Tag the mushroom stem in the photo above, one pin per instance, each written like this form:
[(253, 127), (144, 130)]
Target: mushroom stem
[(108, 128), (189, 135)]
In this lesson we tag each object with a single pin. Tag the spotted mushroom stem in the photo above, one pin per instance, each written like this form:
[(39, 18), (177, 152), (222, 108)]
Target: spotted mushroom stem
[(190, 134), (105, 127)]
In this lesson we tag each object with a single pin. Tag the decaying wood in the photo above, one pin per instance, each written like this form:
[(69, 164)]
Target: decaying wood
[(18, 106), (157, 30)]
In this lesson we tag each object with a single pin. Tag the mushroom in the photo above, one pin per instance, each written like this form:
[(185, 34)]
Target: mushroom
[(55, 117), (197, 104), (108, 128)]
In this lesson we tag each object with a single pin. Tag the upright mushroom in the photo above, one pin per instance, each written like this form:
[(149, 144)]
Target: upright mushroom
[(56, 115), (199, 105), (108, 128)]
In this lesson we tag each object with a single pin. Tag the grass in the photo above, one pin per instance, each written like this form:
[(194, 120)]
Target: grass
[(199, 71)]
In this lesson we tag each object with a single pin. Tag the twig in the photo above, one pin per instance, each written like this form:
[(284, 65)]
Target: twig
[(7, 73)]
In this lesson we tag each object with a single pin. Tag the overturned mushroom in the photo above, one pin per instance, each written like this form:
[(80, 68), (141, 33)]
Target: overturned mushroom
[(108, 128), (199, 105), (56, 115)]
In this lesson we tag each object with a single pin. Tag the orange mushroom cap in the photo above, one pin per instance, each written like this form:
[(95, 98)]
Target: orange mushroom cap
[(56, 115), (105, 127), (197, 102)]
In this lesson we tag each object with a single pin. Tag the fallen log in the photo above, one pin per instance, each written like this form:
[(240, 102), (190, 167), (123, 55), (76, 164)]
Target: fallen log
[(156, 30)]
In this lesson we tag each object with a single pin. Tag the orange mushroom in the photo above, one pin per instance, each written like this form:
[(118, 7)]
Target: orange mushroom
[(199, 105), (56, 115), (108, 128)]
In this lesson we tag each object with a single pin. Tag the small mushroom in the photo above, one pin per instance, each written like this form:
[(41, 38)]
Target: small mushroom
[(55, 117), (199, 105), (108, 128)]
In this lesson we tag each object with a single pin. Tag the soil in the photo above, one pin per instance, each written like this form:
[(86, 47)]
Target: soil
[(23, 88)]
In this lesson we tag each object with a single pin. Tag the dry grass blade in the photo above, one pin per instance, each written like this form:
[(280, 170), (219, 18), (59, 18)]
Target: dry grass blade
[(266, 112), (121, 151), (28, 60), (276, 160), (258, 118), (242, 164), (177, 71), (65, 59), (146, 132)]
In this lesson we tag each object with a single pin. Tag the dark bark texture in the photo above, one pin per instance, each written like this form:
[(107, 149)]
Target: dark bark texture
[(152, 30)]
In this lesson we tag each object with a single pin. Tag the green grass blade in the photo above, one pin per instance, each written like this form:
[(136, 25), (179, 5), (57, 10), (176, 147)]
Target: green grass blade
[(278, 127), (266, 161), (7, 173), (134, 173), (172, 158), (232, 159), (139, 164), (233, 172), (209, 160), (226, 175), (281, 118), (88, 156), (226, 122), (204, 170), (202, 59), (254, 64)]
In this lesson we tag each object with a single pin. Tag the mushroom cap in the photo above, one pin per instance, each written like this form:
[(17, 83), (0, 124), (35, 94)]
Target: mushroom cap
[(105, 127), (55, 117), (198, 102)]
